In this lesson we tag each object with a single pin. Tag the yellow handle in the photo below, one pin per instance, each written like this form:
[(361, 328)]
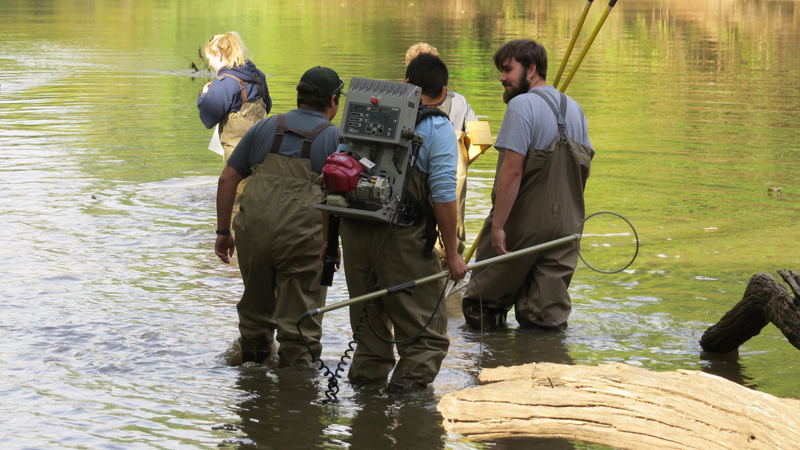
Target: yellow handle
[(586, 47), (474, 246), (572, 42)]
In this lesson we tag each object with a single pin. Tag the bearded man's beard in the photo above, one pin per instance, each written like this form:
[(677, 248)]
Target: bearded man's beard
[(523, 86)]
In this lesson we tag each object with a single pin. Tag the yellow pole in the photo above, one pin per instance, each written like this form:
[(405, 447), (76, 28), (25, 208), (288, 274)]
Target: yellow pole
[(474, 246), (572, 42), (588, 44)]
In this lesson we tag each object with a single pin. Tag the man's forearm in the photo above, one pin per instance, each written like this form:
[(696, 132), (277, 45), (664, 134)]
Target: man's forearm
[(507, 188), (226, 194), (446, 219)]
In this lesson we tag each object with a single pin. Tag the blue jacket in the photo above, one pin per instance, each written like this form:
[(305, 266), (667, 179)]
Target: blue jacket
[(224, 96)]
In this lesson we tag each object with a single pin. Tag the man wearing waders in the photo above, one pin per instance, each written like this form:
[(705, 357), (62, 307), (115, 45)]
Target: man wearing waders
[(407, 255), (460, 112), (278, 231), (544, 161)]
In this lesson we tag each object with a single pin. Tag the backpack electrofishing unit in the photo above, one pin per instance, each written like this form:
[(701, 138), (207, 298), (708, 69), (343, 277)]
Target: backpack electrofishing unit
[(367, 179)]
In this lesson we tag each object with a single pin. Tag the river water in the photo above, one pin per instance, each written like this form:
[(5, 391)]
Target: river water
[(116, 318)]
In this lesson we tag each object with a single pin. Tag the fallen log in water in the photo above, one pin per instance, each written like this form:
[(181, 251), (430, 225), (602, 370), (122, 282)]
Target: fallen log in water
[(622, 406), (764, 301)]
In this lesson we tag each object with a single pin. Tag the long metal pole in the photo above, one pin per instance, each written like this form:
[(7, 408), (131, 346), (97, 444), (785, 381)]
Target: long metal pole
[(588, 45), (572, 42), (420, 281)]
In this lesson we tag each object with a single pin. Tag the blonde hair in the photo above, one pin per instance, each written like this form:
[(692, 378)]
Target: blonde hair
[(230, 46), (417, 49)]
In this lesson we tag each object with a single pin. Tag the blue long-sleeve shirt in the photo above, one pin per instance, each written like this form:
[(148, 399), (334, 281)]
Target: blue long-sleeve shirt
[(225, 96)]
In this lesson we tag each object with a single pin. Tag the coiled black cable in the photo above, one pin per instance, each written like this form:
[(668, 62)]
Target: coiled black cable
[(333, 382)]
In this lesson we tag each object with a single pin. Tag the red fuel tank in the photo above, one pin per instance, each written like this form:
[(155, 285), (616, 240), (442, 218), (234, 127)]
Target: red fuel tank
[(341, 173)]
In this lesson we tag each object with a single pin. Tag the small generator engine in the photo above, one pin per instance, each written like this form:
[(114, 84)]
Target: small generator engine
[(366, 179), (348, 181)]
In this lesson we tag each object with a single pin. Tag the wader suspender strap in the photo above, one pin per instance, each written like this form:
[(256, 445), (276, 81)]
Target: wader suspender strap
[(242, 85), (447, 104), (258, 85), (308, 136), (560, 113)]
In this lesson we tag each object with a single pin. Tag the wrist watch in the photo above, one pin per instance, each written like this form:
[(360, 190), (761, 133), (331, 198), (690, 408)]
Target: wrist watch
[(222, 232)]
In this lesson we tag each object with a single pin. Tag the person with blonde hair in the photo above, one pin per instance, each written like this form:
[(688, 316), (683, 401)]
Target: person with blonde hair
[(418, 49), (238, 97)]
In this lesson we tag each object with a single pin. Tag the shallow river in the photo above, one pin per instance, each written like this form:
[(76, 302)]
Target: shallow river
[(116, 318)]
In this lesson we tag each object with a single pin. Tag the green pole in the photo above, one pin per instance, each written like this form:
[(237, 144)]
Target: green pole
[(420, 281)]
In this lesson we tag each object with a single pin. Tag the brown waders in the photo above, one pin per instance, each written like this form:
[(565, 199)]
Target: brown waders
[(234, 125), (404, 259), (549, 206), (278, 237)]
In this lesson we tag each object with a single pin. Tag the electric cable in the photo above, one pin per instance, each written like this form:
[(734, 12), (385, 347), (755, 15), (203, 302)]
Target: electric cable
[(480, 304), (333, 382), (419, 333)]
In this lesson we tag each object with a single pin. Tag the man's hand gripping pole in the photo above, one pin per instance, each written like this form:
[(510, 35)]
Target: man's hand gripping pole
[(410, 285)]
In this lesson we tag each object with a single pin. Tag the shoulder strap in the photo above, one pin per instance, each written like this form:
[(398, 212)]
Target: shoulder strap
[(426, 111), (309, 139), (560, 113), (258, 84), (242, 85), (308, 136), (279, 132), (447, 104)]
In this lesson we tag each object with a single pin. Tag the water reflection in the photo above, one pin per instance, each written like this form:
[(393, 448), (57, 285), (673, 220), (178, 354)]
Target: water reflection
[(279, 409), (726, 365), (395, 421), (516, 346)]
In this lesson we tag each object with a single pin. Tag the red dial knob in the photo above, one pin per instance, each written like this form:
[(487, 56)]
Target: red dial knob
[(374, 101)]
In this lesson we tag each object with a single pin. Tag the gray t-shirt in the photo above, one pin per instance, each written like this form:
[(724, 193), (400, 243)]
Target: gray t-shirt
[(257, 142), (530, 123), (460, 112)]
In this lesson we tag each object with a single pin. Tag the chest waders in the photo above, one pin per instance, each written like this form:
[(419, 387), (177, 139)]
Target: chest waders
[(375, 258), (278, 238), (549, 206), (234, 125), (402, 315)]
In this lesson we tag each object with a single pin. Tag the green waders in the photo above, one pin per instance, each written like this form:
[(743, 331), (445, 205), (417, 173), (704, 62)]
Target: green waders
[(549, 206), (279, 237), (405, 259), (234, 125)]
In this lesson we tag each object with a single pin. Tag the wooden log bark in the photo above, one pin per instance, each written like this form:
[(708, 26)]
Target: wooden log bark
[(622, 406), (793, 280), (764, 301)]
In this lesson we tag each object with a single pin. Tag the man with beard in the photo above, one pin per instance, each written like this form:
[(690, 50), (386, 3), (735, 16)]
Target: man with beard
[(544, 162)]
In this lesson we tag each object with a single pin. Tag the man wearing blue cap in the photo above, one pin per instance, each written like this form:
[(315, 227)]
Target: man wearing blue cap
[(278, 232)]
